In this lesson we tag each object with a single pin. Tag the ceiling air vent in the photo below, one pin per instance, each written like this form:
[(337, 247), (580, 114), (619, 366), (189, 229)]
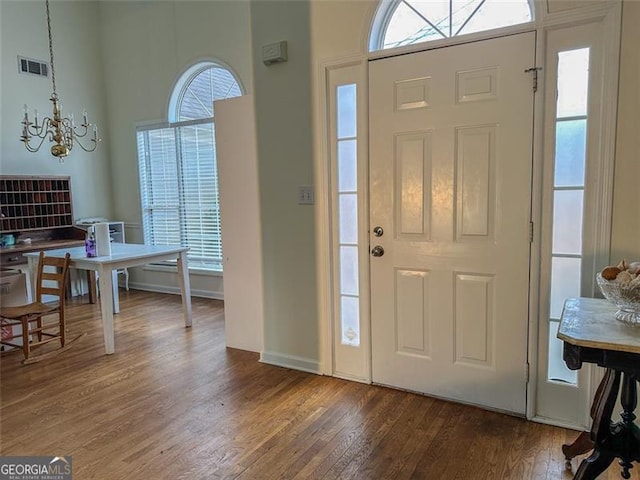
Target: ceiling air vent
[(33, 67)]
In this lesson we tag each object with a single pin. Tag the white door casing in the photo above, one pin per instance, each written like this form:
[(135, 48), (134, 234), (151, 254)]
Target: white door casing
[(567, 403), (450, 184)]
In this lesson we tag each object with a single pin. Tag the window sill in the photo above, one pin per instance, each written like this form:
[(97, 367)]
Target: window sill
[(192, 270)]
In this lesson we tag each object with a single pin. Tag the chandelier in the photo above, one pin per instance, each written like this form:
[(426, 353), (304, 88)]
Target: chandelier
[(62, 131)]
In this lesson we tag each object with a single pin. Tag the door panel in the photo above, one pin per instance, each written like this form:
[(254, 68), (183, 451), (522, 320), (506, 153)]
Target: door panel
[(450, 179)]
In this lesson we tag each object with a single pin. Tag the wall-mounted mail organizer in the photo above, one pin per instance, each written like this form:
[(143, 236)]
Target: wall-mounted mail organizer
[(34, 202)]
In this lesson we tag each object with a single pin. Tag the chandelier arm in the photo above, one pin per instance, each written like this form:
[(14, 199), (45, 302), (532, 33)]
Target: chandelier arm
[(65, 133), (69, 140), (34, 131), (51, 133), (94, 140), (76, 130), (41, 130), (27, 143)]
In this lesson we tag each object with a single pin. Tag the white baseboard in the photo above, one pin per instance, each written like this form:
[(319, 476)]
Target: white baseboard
[(291, 361), (557, 423), (247, 347), (148, 287), (351, 378)]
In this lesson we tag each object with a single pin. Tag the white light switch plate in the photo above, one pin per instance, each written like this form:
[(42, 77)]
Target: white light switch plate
[(305, 195)]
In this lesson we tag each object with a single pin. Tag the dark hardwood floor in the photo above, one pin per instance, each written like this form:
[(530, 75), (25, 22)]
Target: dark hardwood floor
[(174, 403)]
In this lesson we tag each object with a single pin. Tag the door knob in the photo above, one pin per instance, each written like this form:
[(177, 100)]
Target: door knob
[(377, 251), (378, 231)]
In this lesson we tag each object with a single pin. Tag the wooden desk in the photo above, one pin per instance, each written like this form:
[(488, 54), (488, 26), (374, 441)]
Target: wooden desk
[(44, 240), (123, 255), (591, 334)]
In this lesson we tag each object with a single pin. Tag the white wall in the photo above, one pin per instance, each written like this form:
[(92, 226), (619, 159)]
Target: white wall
[(625, 241), (283, 100), (286, 102), (340, 28), (146, 46), (79, 78)]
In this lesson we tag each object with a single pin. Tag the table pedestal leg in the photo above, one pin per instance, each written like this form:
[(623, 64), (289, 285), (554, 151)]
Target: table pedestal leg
[(611, 440), (583, 443), (602, 456), (580, 445), (626, 432)]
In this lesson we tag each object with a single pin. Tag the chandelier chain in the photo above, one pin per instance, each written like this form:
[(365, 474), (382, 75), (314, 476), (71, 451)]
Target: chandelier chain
[(53, 69)]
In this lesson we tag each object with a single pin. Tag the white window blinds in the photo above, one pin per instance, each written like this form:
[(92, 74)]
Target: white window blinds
[(179, 190)]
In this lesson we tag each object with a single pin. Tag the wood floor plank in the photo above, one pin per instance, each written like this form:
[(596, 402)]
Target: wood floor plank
[(174, 402), (394, 449), (358, 466), (335, 436)]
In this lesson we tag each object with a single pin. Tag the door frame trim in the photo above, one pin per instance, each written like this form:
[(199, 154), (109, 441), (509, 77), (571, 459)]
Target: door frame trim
[(596, 247), (323, 220)]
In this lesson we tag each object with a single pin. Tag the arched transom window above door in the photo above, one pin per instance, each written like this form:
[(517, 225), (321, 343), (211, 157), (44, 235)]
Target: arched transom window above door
[(405, 22)]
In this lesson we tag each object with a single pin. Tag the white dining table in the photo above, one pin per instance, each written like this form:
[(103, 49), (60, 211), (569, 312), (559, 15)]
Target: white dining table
[(123, 255)]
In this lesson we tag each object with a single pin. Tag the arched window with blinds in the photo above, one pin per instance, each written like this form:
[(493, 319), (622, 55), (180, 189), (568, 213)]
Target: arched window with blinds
[(178, 171)]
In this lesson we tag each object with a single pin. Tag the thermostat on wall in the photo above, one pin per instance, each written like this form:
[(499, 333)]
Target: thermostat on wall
[(274, 53)]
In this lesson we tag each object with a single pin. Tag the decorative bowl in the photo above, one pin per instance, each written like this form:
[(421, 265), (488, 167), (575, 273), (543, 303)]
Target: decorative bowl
[(625, 296)]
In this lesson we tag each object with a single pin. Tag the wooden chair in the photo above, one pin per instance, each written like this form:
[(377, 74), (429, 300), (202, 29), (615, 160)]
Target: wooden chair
[(29, 317)]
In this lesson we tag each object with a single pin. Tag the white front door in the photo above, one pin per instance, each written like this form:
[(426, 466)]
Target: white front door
[(450, 187)]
